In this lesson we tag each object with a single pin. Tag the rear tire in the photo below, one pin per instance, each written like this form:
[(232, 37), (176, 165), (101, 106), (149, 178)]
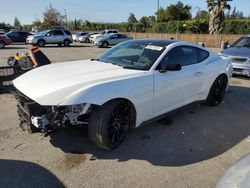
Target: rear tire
[(217, 91), (66, 43), (109, 124), (41, 43)]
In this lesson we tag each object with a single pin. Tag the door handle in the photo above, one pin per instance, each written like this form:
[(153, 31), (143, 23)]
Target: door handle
[(198, 73)]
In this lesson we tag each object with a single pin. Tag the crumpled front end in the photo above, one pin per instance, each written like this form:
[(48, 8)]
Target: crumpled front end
[(34, 117)]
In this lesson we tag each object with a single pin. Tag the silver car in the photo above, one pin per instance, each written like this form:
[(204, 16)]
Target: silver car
[(85, 38), (78, 34), (239, 55), (55, 36), (111, 39)]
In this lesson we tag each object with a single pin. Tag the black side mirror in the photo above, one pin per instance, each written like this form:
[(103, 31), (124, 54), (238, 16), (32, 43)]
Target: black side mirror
[(170, 67)]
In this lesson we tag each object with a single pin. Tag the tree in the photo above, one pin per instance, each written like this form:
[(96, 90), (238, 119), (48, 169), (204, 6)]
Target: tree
[(17, 23), (132, 19), (235, 14), (202, 15), (36, 24), (160, 15), (86, 25), (179, 11), (151, 20), (5, 26), (52, 17), (144, 21), (216, 9)]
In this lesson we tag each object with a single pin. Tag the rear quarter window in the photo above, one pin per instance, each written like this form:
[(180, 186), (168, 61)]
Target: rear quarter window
[(201, 55), (67, 32)]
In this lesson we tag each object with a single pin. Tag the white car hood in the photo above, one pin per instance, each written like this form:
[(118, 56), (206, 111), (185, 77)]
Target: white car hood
[(52, 84)]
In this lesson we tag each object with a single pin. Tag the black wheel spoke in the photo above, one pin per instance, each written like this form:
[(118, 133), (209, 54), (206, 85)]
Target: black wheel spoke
[(118, 123), (219, 90)]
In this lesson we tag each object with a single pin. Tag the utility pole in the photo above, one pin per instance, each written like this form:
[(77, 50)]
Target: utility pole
[(158, 8), (66, 19), (158, 5)]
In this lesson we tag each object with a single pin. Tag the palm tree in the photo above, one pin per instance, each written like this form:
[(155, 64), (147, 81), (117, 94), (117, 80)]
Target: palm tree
[(216, 9)]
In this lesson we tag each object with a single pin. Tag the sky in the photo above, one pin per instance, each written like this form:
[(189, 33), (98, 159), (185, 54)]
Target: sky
[(96, 10)]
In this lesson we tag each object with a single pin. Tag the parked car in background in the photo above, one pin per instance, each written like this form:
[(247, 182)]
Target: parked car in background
[(110, 40), (103, 33), (77, 35), (4, 40), (239, 55), (85, 38), (33, 32), (53, 36), (18, 36), (130, 84), (2, 32)]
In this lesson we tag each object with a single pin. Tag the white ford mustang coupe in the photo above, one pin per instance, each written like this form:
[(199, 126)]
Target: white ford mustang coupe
[(130, 84)]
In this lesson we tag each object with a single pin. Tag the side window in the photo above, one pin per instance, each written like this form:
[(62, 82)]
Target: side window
[(114, 37), (122, 36), (50, 33), (115, 32), (183, 55), (67, 32), (14, 34), (109, 32), (58, 32), (201, 55)]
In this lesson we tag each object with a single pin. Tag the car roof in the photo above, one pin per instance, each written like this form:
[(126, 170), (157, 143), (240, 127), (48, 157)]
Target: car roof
[(17, 31), (157, 42)]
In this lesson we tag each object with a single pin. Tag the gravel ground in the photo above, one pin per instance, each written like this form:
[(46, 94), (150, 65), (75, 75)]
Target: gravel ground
[(194, 150)]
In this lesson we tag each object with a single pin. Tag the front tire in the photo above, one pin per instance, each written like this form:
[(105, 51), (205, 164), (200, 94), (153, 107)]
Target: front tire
[(217, 91), (109, 124), (87, 40), (66, 43), (105, 44)]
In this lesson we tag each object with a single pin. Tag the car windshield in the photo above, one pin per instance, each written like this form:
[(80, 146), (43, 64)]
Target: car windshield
[(41, 33), (78, 34), (103, 32), (242, 43), (138, 55)]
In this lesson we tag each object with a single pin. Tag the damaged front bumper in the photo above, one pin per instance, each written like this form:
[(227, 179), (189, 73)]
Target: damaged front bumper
[(31, 114), (34, 117)]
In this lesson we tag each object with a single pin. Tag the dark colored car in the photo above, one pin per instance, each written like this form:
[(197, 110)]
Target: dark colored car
[(4, 40), (18, 36)]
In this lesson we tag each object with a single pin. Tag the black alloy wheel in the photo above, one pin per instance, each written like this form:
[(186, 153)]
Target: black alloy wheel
[(217, 91)]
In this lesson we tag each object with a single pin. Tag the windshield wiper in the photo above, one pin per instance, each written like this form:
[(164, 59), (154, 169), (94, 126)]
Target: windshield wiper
[(95, 59), (119, 65)]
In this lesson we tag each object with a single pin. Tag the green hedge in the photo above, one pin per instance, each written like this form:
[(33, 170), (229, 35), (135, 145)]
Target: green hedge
[(237, 27)]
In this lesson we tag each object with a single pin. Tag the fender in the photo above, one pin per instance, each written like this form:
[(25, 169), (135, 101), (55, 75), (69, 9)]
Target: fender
[(137, 90)]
